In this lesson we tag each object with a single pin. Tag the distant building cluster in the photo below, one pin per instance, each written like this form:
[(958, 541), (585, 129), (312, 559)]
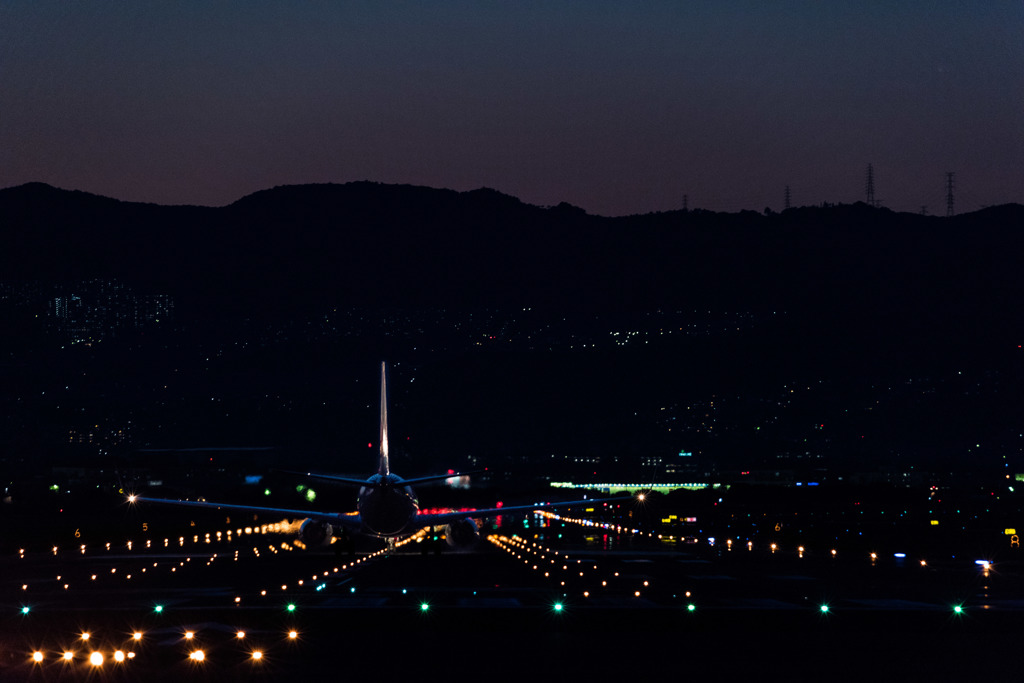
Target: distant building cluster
[(88, 311), (95, 310)]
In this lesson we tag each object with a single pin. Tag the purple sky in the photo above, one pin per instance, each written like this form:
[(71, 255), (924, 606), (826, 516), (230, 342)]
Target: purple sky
[(617, 107)]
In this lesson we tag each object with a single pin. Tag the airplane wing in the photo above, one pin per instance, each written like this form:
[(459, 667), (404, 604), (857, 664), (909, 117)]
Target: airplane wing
[(423, 520), (352, 521)]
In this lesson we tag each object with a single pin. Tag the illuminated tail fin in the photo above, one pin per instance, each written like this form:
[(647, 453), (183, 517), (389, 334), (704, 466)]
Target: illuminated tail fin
[(382, 468)]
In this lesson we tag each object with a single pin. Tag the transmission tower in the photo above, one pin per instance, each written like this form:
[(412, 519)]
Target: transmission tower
[(869, 187), (787, 197), (949, 193)]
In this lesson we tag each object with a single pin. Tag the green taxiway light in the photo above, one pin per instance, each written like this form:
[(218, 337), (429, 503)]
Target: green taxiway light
[(424, 606), (824, 609), (691, 607), (291, 606), (158, 609), (558, 607), (25, 610), (958, 609)]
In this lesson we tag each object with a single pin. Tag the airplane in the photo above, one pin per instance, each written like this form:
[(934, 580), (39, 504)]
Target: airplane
[(386, 505)]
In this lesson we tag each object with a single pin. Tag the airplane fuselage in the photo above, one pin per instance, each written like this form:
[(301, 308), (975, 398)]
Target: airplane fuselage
[(387, 507)]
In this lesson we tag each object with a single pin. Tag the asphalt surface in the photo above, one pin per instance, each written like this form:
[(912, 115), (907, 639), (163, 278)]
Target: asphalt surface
[(493, 610)]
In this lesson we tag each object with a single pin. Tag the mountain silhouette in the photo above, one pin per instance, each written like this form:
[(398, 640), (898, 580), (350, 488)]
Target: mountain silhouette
[(300, 248)]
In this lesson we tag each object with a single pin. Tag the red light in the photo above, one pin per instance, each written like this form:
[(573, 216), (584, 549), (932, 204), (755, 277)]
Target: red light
[(499, 504), (451, 471), (369, 445)]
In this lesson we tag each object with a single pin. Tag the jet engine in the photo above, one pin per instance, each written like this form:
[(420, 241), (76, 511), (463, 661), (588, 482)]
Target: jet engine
[(461, 533), (313, 532)]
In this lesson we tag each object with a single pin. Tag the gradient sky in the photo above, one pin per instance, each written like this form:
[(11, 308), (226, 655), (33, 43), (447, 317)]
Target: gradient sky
[(617, 107)]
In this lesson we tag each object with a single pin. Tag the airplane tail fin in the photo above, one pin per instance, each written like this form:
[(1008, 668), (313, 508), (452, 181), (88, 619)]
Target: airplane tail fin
[(383, 468)]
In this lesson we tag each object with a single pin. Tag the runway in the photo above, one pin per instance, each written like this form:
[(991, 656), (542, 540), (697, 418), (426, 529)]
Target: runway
[(534, 589)]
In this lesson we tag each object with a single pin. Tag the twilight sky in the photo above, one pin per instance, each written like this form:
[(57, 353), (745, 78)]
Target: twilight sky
[(617, 107)]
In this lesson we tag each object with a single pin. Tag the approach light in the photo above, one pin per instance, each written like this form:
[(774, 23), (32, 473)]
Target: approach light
[(292, 635), (137, 635), (68, 656), (197, 656), (37, 656), (257, 655), (131, 498), (240, 635), (189, 635), (119, 656), (85, 636), (96, 658)]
